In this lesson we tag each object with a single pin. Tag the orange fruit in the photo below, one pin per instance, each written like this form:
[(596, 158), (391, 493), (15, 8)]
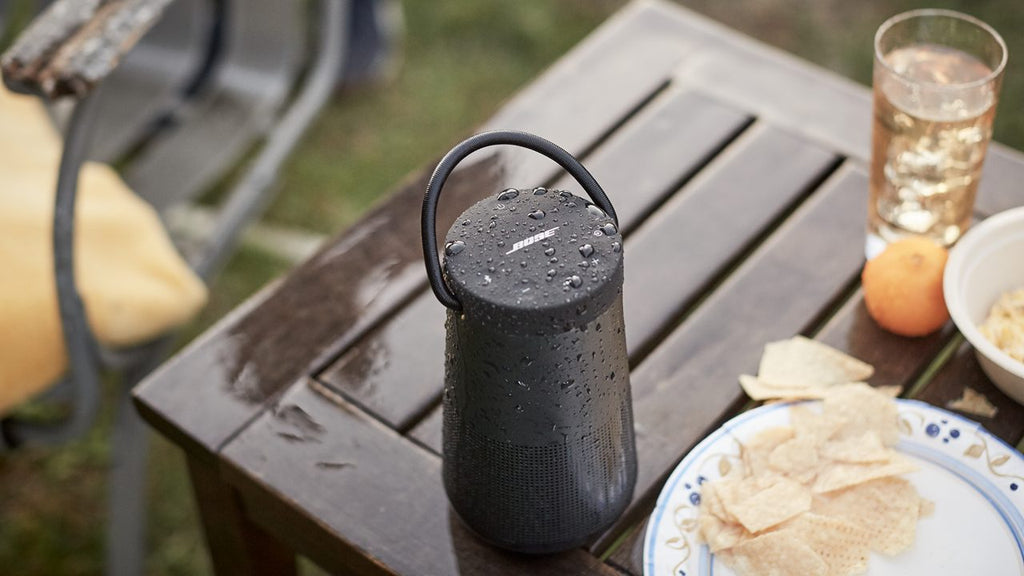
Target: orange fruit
[(903, 287)]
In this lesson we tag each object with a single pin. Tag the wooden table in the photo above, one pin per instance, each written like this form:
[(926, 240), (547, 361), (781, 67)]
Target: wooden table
[(310, 416)]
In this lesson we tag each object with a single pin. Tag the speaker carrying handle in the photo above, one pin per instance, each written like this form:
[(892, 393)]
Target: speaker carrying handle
[(428, 221)]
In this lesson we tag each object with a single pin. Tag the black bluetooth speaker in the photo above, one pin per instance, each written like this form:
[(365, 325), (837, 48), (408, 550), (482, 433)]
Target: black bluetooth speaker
[(539, 452)]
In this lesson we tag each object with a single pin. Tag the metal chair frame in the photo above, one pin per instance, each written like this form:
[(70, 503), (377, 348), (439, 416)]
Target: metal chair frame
[(246, 199)]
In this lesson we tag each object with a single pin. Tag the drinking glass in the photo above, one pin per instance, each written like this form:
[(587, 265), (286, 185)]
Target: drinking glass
[(937, 75)]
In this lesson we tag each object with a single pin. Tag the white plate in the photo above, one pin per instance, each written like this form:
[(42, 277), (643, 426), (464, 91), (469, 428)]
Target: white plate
[(975, 479)]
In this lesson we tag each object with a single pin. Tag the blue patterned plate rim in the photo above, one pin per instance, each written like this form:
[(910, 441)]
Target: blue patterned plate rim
[(996, 495)]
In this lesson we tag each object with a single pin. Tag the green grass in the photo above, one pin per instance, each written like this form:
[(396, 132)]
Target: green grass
[(462, 60)]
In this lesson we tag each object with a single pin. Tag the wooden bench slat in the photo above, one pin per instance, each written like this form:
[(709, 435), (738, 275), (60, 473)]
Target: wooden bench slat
[(75, 44), (359, 278), (690, 380), (340, 487), (396, 371)]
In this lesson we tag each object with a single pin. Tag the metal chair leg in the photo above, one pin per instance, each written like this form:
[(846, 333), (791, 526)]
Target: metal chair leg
[(126, 488)]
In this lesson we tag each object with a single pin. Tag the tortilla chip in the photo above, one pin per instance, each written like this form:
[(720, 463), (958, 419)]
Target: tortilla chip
[(808, 422), (759, 390), (862, 408), (796, 458), (887, 509), (843, 545), (863, 449), (758, 450), (760, 503), (804, 363), (839, 475), (974, 403), (779, 553)]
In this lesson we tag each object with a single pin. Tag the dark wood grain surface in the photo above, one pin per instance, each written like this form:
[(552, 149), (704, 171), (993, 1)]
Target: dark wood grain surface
[(739, 175), (371, 500)]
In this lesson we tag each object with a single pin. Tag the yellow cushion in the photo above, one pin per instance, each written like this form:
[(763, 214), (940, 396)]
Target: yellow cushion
[(132, 281)]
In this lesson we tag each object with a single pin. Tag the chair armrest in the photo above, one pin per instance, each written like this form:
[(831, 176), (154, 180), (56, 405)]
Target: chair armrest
[(74, 44)]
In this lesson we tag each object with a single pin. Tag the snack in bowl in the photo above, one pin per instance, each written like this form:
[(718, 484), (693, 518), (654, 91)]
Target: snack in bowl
[(1004, 326), (903, 287)]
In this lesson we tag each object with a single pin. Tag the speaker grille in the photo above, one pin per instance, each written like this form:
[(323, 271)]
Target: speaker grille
[(540, 498)]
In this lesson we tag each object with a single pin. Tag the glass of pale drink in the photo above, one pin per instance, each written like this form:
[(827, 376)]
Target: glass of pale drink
[(936, 81)]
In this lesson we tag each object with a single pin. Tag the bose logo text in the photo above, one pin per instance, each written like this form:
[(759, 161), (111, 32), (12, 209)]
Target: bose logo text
[(535, 238)]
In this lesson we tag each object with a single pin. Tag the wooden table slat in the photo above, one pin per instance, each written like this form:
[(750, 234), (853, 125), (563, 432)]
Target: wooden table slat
[(780, 88), (368, 501), (689, 381), (897, 360), (706, 224), (363, 275), (677, 252), (628, 556), (396, 371), (723, 158), (428, 431), (963, 371)]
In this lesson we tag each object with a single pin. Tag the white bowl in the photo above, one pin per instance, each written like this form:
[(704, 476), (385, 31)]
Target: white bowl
[(985, 263)]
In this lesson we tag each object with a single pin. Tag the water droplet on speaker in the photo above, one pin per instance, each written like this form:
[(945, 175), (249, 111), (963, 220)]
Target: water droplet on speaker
[(595, 211), (540, 191), (609, 229), (549, 252), (586, 250), (453, 248), (492, 225), (568, 384), (574, 281), (519, 408), (508, 194), (584, 264), (522, 263), (537, 214)]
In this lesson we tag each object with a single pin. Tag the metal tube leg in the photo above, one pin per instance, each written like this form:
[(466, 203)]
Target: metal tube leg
[(126, 534), (126, 489)]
